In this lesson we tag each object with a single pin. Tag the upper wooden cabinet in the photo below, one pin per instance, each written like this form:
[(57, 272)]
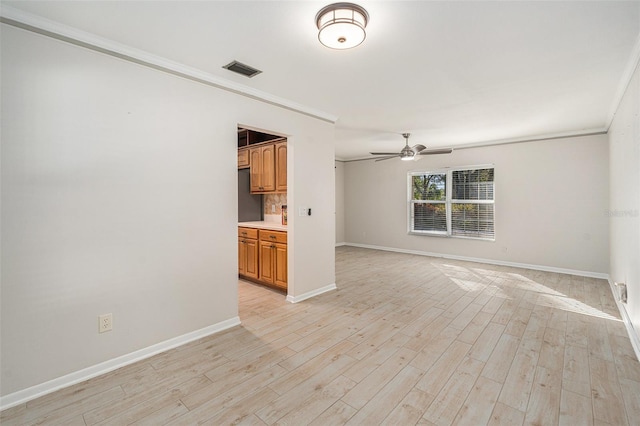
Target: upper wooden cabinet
[(266, 156), (268, 168), (281, 167), (263, 168), (243, 158)]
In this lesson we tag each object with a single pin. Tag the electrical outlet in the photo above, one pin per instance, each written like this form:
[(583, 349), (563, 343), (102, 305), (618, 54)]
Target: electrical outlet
[(622, 292), (105, 323), (273, 208)]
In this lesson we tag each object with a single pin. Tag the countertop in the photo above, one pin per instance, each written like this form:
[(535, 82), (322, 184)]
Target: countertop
[(272, 226)]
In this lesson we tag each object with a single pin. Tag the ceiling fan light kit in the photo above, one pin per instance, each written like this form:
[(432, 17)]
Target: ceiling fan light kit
[(342, 25), (409, 153)]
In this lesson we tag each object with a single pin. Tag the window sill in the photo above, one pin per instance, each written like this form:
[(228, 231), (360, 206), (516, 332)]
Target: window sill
[(445, 235), (429, 234)]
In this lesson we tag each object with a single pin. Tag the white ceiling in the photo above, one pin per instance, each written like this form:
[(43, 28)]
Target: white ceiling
[(451, 73)]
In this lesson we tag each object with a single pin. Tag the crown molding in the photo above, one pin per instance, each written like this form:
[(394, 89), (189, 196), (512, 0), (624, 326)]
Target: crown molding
[(56, 30), (539, 138)]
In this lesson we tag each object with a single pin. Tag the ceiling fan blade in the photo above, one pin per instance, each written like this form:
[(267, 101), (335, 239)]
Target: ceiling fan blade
[(386, 158), (418, 147), (436, 151), (384, 153)]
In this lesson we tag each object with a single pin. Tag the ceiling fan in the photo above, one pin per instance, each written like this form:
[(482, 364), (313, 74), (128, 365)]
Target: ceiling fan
[(409, 152)]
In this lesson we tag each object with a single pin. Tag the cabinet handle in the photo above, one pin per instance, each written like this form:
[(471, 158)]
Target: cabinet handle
[(272, 246), (273, 237)]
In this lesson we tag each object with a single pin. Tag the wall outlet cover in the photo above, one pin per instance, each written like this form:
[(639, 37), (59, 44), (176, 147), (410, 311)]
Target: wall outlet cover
[(105, 323)]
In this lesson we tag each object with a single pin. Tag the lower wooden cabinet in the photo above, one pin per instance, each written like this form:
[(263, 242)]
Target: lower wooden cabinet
[(273, 264), (248, 252), (263, 259), (280, 274)]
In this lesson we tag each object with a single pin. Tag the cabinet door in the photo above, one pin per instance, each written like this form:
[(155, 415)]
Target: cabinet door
[(251, 266), (268, 168), (242, 257), (280, 261), (243, 158), (256, 169), (266, 262), (281, 167)]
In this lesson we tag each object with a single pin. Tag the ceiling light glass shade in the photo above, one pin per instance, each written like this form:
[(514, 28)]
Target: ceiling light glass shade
[(406, 157), (342, 25)]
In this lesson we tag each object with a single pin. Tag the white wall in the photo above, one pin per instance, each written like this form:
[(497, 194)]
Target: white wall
[(624, 220), (119, 195), (339, 202), (550, 211)]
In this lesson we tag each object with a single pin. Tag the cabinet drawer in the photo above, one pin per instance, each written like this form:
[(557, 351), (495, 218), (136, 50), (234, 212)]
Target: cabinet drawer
[(248, 233), (273, 236)]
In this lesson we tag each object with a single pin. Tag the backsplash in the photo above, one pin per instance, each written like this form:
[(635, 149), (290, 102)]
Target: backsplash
[(277, 200)]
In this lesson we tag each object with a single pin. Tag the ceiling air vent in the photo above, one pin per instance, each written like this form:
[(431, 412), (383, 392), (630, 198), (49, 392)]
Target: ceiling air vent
[(240, 68)]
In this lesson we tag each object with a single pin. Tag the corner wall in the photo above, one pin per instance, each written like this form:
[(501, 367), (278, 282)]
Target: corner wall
[(550, 208), (119, 196), (624, 210)]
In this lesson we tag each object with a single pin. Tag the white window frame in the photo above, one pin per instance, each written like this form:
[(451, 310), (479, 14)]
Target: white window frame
[(410, 221), (448, 202)]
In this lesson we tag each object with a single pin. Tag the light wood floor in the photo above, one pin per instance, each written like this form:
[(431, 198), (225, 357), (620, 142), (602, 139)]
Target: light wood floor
[(404, 340)]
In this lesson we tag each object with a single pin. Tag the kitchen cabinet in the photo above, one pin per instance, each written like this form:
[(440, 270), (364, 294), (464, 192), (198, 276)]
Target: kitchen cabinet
[(273, 258), (281, 166), (262, 256), (243, 158), (263, 165), (268, 165), (248, 252), (280, 273)]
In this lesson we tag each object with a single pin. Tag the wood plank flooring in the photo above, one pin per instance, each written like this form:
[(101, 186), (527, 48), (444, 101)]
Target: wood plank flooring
[(404, 340)]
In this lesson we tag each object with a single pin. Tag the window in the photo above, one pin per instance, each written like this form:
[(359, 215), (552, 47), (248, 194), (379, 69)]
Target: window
[(428, 203), (455, 203)]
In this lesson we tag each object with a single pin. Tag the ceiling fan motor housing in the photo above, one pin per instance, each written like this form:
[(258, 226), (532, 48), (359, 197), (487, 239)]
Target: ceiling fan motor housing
[(407, 152)]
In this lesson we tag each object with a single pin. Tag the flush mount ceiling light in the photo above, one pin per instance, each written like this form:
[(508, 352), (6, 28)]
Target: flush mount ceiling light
[(341, 25)]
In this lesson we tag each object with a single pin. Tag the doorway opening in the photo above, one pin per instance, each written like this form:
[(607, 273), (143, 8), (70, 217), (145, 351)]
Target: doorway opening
[(262, 209)]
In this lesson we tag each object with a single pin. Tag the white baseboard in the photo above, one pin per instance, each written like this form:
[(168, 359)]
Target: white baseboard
[(340, 244), (631, 331), (487, 261), (311, 294), (67, 380)]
